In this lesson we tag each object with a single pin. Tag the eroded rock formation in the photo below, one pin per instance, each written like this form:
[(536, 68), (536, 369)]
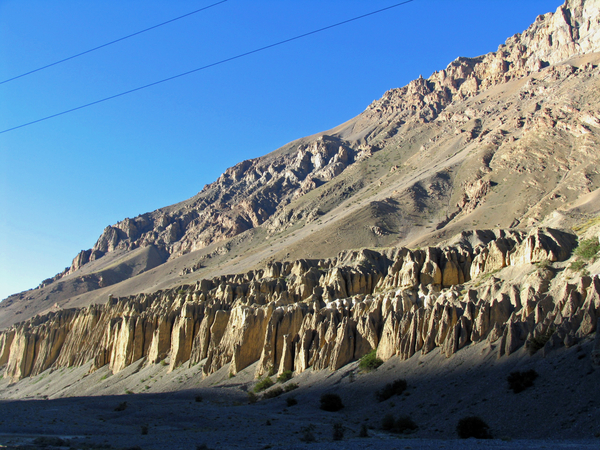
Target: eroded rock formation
[(327, 313)]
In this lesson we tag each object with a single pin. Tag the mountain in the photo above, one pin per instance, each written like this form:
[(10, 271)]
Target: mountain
[(457, 212)]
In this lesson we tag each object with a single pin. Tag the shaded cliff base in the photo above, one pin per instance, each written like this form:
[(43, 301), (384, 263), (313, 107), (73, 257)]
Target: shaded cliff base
[(561, 405)]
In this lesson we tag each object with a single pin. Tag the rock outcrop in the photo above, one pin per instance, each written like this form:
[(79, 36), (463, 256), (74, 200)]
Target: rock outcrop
[(326, 313)]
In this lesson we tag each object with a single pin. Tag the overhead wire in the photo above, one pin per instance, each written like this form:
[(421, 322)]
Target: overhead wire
[(110, 43), (241, 55)]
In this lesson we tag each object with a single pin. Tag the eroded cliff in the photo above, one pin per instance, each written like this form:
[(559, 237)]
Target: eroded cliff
[(326, 313)]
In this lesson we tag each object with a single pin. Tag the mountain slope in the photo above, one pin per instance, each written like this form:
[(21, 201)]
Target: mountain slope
[(505, 139)]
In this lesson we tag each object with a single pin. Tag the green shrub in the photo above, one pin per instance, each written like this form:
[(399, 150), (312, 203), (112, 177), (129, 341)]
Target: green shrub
[(370, 361), (576, 266), (331, 402), (588, 248), (391, 389), (252, 398), (263, 384), (291, 401), (473, 427), (338, 431), (272, 393), (290, 387), (519, 381), (285, 376)]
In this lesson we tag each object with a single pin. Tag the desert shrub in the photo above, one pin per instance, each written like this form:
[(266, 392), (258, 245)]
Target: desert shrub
[(263, 384), (203, 447), (121, 406), (537, 343), (144, 429), (271, 371), (364, 431), (403, 424), (473, 427), (338, 431), (307, 434), (519, 381), (163, 362), (285, 376), (290, 387), (252, 398), (370, 361), (576, 266), (272, 393), (387, 423), (198, 398), (291, 401), (588, 248), (391, 389), (331, 402)]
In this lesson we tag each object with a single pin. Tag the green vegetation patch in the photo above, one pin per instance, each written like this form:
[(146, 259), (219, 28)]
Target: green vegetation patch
[(263, 384), (370, 361), (588, 248)]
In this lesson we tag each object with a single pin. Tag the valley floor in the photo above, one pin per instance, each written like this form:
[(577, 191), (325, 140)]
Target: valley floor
[(181, 410)]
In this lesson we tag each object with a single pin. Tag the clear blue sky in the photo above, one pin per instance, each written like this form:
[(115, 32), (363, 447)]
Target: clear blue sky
[(64, 180)]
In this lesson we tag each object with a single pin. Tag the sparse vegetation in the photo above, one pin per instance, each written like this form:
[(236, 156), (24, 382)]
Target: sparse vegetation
[(263, 384), (272, 393), (404, 424), (285, 376), (252, 398), (331, 402), (290, 387), (338, 431), (577, 266), (395, 388), (121, 407), (307, 434), (370, 361), (364, 431), (473, 427), (537, 343), (587, 225), (519, 381), (588, 248), (291, 401)]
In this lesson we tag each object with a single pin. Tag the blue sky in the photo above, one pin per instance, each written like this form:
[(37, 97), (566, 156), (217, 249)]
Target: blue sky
[(64, 180)]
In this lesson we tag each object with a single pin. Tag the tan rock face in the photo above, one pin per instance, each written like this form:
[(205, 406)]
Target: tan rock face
[(400, 302)]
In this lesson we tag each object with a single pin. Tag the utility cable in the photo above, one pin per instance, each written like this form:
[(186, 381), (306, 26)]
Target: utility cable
[(241, 55), (110, 43)]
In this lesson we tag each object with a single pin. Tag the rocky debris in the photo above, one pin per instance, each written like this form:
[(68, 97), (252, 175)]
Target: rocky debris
[(326, 313)]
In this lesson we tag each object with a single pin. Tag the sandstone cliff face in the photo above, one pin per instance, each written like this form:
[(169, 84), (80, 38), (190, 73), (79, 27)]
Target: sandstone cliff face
[(327, 313)]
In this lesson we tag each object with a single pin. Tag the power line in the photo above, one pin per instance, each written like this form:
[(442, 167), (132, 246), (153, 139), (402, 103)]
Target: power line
[(241, 55), (110, 43)]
